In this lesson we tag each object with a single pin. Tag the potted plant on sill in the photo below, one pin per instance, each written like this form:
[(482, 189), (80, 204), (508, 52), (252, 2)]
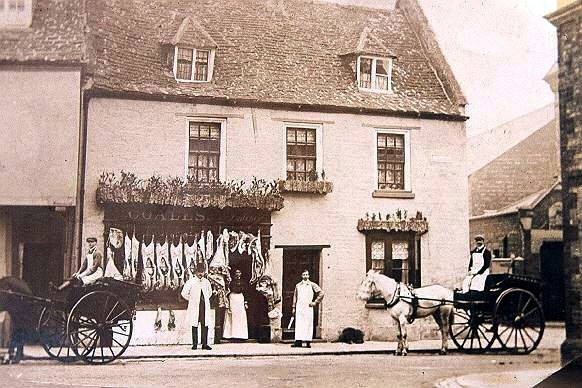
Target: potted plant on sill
[(313, 185)]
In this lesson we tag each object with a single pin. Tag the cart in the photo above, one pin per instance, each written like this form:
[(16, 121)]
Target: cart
[(93, 323), (507, 316)]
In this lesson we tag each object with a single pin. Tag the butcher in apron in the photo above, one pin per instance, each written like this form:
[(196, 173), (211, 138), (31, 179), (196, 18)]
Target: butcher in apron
[(303, 304), (91, 268), (197, 291), (479, 263)]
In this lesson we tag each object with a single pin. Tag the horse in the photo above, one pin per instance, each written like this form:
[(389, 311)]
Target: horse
[(24, 316), (406, 305)]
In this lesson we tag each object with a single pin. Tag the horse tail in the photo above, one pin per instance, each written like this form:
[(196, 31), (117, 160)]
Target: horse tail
[(437, 317)]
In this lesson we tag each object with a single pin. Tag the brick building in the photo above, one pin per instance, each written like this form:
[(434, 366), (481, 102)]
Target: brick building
[(568, 20)]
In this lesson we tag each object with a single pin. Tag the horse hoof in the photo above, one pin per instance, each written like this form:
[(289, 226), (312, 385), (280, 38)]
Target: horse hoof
[(443, 352)]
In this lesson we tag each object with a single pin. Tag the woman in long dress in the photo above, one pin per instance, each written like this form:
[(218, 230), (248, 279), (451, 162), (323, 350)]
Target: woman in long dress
[(235, 325)]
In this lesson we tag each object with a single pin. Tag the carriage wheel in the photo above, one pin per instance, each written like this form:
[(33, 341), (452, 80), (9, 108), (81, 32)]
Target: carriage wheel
[(52, 330), (100, 327), (519, 319), (471, 330)]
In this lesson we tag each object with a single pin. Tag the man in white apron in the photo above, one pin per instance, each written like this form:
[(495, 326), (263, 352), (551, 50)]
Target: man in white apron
[(197, 291), (479, 263), (303, 304), (91, 268)]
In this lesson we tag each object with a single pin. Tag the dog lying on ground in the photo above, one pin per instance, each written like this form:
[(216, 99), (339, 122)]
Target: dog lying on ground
[(349, 335)]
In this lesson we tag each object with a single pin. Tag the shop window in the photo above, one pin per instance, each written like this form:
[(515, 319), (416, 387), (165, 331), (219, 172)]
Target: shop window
[(375, 74), (396, 255), (393, 160), (303, 149), (204, 151), (192, 65)]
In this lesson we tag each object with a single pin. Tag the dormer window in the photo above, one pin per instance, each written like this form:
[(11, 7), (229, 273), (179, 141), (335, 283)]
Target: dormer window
[(192, 65), (375, 73), (16, 13)]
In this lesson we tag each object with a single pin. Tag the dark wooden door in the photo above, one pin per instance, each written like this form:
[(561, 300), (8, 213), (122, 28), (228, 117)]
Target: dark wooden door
[(552, 266), (295, 261), (42, 263)]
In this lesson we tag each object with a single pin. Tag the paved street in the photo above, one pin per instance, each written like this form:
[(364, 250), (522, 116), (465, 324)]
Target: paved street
[(364, 370)]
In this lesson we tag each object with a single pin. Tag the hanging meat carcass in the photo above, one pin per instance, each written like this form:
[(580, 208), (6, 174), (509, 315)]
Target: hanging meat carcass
[(163, 265), (148, 264), (134, 256), (190, 256), (209, 246), (127, 264), (176, 256), (115, 253)]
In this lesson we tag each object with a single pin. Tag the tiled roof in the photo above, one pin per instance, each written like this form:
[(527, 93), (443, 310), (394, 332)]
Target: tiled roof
[(269, 51), (190, 34), (56, 34)]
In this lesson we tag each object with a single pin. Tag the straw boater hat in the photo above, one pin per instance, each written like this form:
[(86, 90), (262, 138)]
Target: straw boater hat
[(479, 237)]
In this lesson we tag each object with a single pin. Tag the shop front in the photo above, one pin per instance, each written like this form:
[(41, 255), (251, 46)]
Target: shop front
[(158, 244)]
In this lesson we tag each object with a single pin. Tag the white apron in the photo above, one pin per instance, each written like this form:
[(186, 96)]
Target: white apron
[(235, 324), (92, 278), (191, 292), (475, 281), (304, 313)]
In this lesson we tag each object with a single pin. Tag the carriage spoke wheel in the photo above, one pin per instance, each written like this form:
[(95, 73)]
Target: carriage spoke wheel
[(471, 330), (519, 320), (100, 327), (52, 330)]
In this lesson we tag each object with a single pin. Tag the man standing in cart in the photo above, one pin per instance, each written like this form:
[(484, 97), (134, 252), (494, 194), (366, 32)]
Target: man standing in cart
[(303, 304), (91, 268), (479, 263), (197, 291)]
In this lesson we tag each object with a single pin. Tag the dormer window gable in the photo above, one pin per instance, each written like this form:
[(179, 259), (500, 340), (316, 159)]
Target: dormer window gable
[(191, 52), (372, 63)]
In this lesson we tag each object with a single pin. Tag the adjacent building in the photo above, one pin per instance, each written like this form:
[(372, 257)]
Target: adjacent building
[(568, 20)]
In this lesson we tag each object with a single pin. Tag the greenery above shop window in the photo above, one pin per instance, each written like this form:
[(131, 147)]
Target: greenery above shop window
[(395, 222), (316, 187), (175, 191)]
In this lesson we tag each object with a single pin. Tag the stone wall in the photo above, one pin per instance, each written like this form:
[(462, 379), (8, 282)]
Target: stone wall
[(151, 138)]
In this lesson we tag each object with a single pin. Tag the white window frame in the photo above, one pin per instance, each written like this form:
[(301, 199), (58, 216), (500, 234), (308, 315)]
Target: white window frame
[(16, 18), (373, 87), (407, 157), (193, 73), (318, 145), (222, 158)]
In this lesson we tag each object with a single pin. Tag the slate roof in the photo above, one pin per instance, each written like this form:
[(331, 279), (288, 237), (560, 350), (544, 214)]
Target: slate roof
[(269, 51), (56, 35)]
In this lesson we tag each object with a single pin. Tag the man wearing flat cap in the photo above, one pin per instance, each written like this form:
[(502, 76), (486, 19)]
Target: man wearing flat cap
[(91, 268), (479, 263)]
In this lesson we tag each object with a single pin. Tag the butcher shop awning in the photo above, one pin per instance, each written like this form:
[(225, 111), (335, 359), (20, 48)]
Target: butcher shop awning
[(127, 188)]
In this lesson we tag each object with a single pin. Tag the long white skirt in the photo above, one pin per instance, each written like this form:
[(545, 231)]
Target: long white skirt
[(235, 323)]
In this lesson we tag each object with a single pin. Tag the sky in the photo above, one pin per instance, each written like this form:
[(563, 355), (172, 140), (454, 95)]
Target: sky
[(499, 50)]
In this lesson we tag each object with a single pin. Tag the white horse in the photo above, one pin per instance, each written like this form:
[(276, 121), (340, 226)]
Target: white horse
[(432, 300)]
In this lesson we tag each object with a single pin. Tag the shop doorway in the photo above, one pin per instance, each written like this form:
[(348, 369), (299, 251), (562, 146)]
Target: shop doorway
[(42, 264), (257, 318), (552, 272), (295, 260)]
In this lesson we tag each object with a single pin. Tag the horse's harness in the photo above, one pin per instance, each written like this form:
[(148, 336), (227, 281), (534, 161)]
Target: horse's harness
[(396, 297)]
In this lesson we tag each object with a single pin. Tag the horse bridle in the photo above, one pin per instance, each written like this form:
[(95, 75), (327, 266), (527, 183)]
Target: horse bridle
[(395, 297)]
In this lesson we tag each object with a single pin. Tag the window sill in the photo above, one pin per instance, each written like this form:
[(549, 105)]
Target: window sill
[(370, 90), (311, 187), (392, 194)]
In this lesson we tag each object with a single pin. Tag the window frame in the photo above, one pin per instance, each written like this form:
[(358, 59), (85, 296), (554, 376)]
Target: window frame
[(210, 67), (414, 255), (407, 159), (222, 165), (318, 145), (373, 87)]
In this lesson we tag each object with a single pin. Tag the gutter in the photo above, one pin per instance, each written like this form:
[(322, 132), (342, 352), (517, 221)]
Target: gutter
[(239, 102)]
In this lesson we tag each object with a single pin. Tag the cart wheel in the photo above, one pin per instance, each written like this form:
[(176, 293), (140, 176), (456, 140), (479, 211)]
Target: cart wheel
[(471, 330), (52, 330), (519, 319), (100, 326)]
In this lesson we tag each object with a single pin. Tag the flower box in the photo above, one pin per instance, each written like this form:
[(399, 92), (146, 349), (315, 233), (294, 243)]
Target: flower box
[(313, 187)]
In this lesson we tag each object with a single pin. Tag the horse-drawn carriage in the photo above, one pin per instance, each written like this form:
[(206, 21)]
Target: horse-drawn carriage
[(93, 323), (506, 316)]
